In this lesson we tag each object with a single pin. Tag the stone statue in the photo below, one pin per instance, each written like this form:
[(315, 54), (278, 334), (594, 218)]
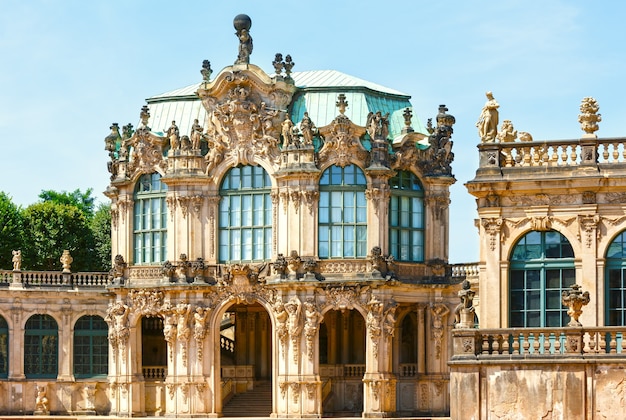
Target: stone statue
[(307, 128), (17, 260), (507, 133), (242, 24), (41, 402), (287, 131), (173, 135), (467, 302), (488, 121), (196, 135)]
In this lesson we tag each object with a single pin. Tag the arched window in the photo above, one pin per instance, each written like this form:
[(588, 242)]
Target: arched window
[(91, 347), (4, 348), (616, 281), (406, 217), (245, 229), (541, 268), (41, 348), (150, 225), (342, 213)]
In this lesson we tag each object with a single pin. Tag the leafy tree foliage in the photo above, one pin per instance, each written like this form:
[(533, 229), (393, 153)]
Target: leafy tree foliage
[(83, 200), (50, 228), (11, 230), (101, 231)]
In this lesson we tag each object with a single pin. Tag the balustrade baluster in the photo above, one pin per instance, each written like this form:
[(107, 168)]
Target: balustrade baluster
[(506, 343), (536, 343), (563, 161), (547, 342), (613, 343), (526, 344), (602, 343), (496, 344), (615, 152), (526, 156), (485, 343), (605, 152), (516, 338)]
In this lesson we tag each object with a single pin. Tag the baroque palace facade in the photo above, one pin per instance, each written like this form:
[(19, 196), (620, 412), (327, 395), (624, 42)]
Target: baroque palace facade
[(282, 236)]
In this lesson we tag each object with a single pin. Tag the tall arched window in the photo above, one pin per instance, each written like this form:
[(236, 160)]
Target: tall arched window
[(616, 281), (41, 348), (245, 226), (406, 217), (342, 213), (4, 348), (541, 268), (150, 225), (91, 347)]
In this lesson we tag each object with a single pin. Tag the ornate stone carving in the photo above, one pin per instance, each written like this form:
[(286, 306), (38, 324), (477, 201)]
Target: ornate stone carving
[(116, 274), (295, 391), (117, 319), (183, 314), (378, 320), (147, 148), (588, 224), (492, 227), (245, 111), (574, 299), (16, 259), (377, 196), (41, 401), (381, 264), (296, 198), (310, 198), (294, 324), (66, 259), (344, 297), (281, 317), (170, 321), (589, 117), (341, 140), (507, 133), (541, 223), (464, 312), (313, 317), (146, 302), (199, 328), (437, 160), (438, 203), (439, 312), (243, 282)]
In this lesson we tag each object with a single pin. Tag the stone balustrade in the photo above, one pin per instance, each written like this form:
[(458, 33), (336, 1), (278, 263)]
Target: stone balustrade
[(53, 279), (154, 373), (559, 153), (538, 342), (467, 270)]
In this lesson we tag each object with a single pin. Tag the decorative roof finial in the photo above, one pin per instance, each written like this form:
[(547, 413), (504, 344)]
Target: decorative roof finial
[(408, 115), (278, 64), (589, 117), (288, 66), (206, 70), (242, 24), (341, 103), (144, 115)]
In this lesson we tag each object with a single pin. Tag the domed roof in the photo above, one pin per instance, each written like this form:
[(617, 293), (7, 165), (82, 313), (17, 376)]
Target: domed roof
[(317, 94)]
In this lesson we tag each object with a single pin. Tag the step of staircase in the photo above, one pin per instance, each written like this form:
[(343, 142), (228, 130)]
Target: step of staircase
[(254, 403)]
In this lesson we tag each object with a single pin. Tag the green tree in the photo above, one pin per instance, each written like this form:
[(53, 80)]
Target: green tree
[(101, 230), (82, 200), (50, 228), (11, 230)]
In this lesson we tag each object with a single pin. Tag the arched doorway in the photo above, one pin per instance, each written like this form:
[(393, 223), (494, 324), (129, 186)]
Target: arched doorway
[(245, 361), (342, 362), (153, 364)]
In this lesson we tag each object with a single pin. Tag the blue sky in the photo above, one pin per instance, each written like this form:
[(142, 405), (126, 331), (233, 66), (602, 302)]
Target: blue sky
[(71, 68)]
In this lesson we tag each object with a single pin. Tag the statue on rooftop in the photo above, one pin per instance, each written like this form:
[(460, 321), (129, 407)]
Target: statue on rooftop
[(242, 24), (488, 121), (307, 128), (173, 135), (196, 135)]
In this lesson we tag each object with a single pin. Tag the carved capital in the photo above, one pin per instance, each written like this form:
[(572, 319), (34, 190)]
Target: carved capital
[(492, 227)]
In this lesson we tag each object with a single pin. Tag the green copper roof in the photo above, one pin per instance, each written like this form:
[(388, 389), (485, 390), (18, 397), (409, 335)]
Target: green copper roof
[(317, 95)]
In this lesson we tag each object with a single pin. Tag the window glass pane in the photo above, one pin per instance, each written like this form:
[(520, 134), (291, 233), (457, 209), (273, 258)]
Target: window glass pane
[(533, 300)]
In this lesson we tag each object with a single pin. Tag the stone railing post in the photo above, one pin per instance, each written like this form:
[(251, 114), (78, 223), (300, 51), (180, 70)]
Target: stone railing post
[(464, 343)]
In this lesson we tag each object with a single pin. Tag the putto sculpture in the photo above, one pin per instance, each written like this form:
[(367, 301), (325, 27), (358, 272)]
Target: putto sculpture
[(242, 24)]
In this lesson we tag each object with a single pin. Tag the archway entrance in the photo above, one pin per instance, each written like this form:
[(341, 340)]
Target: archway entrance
[(342, 363), (246, 361), (153, 364)]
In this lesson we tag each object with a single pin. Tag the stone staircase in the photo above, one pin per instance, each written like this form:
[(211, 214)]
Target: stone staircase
[(254, 403)]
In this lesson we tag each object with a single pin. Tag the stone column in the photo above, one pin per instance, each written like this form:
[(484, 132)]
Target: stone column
[(421, 339)]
